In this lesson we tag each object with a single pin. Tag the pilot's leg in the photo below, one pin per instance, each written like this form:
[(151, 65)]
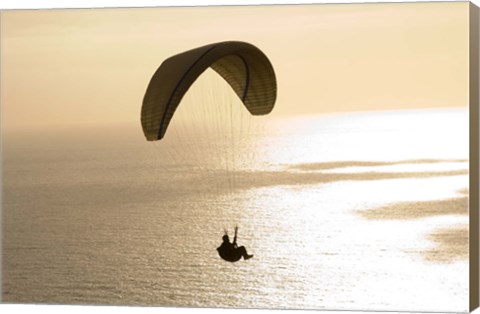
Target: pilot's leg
[(243, 252)]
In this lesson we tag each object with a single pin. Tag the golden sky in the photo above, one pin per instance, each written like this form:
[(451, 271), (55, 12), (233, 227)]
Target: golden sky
[(93, 65)]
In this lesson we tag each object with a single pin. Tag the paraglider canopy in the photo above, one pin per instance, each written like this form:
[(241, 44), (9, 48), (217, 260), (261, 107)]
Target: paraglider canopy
[(245, 67)]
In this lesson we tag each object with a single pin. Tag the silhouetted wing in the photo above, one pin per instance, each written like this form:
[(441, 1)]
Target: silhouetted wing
[(245, 67)]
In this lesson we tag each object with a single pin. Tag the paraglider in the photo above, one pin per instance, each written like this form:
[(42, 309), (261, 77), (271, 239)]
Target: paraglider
[(243, 66), (231, 252)]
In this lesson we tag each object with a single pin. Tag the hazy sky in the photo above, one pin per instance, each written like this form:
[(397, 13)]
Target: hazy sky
[(93, 65)]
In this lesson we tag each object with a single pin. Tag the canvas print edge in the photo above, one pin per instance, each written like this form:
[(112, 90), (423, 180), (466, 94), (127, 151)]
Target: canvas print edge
[(474, 159)]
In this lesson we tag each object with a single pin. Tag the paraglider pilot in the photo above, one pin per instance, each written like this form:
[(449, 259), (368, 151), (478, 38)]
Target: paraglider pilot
[(230, 251)]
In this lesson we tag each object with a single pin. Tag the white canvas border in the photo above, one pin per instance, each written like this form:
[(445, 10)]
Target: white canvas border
[(44, 4)]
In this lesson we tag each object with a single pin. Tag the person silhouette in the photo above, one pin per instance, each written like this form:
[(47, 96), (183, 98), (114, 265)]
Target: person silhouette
[(231, 252)]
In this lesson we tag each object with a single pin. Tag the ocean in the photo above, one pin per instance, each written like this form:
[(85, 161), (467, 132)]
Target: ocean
[(352, 211)]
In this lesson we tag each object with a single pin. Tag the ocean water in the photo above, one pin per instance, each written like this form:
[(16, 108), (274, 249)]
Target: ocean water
[(359, 211)]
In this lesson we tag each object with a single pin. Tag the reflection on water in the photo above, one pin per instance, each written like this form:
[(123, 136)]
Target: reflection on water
[(356, 212), (349, 164), (419, 209), (452, 244)]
